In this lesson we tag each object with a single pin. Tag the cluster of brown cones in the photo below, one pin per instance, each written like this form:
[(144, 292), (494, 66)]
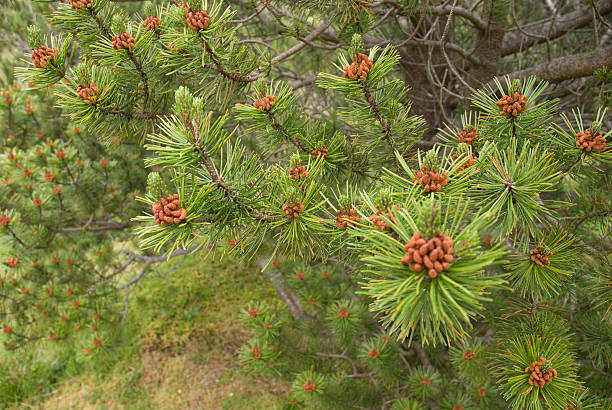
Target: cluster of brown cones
[(589, 142), (88, 93), (293, 210), (542, 372), (465, 162), (320, 151), (152, 23), (298, 173), (512, 105), (196, 20), (344, 219), (43, 56), (265, 103), (431, 180), (168, 210), (123, 41), (468, 135), (80, 4), (540, 257), (378, 222), (359, 68), (434, 254)]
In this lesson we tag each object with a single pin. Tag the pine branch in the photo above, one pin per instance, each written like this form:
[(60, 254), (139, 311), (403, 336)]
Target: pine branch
[(278, 127)]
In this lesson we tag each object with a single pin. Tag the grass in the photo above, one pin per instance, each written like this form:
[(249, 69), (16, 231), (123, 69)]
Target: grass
[(177, 350)]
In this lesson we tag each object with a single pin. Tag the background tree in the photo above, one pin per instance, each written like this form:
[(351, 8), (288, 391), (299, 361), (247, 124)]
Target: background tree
[(481, 249)]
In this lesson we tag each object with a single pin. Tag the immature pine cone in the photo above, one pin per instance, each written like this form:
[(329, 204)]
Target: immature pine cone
[(359, 68), (197, 20), (43, 56), (512, 105), (12, 262), (378, 222), (293, 211), (78, 4), (468, 135), (431, 180), (344, 219), (468, 354), (309, 386), (256, 352), (168, 210), (434, 254), (265, 103), (123, 41), (539, 257), (465, 162), (4, 220), (88, 94), (298, 173), (589, 142), (152, 23), (542, 372), (320, 151)]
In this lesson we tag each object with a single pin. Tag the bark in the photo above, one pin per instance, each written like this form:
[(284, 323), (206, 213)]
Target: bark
[(291, 300)]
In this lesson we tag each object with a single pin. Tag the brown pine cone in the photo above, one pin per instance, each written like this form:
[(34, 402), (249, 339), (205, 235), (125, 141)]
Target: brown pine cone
[(88, 94), (539, 256), (359, 68), (468, 354), (123, 41), (152, 23), (4, 220), (378, 222), (80, 4), (168, 210), (431, 180), (512, 105), (346, 218), (265, 103), (589, 142), (320, 151), (435, 254), (465, 162), (197, 20), (309, 386), (468, 135), (292, 210), (298, 173), (43, 56), (12, 262), (542, 372)]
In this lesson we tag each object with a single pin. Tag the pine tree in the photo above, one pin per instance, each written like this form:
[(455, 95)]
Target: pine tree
[(474, 273)]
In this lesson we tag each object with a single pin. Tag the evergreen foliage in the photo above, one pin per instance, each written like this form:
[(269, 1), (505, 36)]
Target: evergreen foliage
[(475, 273)]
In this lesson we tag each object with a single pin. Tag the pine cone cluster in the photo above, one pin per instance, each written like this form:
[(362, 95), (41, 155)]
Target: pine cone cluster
[(123, 41), (468, 354), (542, 372), (359, 68), (298, 173), (434, 254), (4, 220), (320, 151), (88, 93), (12, 262), (265, 103), (168, 210), (374, 353), (293, 210), (539, 256), (80, 4), (309, 386), (43, 56), (343, 313), (466, 162), (152, 23), (344, 219), (253, 312), (512, 105), (431, 180), (256, 352), (458, 406), (197, 20), (468, 135), (378, 222), (589, 142)]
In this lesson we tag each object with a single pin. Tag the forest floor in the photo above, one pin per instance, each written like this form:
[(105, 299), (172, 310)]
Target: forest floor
[(177, 350)]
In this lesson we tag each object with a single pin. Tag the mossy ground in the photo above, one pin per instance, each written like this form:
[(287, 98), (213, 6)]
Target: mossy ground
[(177, 350)]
